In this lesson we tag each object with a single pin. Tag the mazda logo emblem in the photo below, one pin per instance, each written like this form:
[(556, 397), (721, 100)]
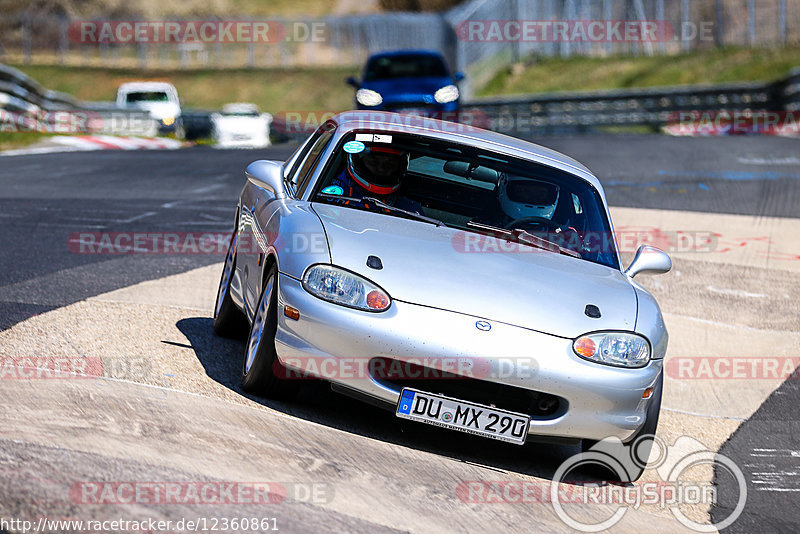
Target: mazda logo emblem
[(483, 326)]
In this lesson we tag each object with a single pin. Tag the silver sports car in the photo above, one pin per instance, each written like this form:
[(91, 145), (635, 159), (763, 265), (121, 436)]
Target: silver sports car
[(456, 276)]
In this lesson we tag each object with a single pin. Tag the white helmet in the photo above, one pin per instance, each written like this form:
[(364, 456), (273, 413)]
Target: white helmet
[(526, 197)]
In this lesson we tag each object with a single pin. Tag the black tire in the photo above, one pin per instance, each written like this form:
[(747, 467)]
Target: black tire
[(260, 366), (634, 452), (229, 321)]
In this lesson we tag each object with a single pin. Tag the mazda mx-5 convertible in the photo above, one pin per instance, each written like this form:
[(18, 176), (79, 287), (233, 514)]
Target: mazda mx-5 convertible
[(456, 276)]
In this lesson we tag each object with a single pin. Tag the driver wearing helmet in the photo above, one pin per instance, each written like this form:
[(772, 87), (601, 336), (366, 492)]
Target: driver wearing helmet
[(376, 171), (530, 205), (525, 198)]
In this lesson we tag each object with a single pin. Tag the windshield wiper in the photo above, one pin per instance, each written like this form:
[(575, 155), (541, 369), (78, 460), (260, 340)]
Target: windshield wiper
[(384, 205), (413, 214), (526, 238)]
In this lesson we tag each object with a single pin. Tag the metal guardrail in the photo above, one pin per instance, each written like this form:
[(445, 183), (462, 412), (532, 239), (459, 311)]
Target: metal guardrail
[(537, 114), (21, 94), (521, 116)]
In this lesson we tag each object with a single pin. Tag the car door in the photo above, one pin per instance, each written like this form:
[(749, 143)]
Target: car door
[(260, 206)]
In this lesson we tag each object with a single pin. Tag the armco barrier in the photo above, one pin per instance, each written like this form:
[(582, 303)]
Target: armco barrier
[(522, 116), (21, 94), (527, 115)]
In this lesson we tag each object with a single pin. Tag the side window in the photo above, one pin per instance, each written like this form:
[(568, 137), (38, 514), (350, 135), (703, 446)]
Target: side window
[(295, 160), (312, 158), (576, 203)]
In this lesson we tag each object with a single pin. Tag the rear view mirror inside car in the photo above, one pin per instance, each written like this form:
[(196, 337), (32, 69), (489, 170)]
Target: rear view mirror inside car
[(472, 171)]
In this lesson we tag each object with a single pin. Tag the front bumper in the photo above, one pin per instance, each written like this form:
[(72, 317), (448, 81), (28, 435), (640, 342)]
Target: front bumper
[(418, 106), (601, 401)]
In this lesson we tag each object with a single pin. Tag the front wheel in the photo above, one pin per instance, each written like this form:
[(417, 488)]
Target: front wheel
[(261, 360)]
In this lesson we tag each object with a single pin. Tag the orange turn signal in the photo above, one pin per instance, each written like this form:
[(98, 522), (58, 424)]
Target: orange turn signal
[(585, 347), (647, 393), (377, 300), (291, 313)]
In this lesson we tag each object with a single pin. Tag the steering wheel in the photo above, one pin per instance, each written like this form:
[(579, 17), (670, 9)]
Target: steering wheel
[(549, 225)]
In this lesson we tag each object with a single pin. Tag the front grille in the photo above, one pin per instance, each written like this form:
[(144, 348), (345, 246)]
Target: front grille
[(537, 404), (411, 106)]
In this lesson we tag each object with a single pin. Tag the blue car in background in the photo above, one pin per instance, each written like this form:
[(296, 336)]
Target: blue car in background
[(413, 80)]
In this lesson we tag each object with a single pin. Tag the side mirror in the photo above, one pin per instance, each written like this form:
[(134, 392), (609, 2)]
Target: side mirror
[(458, 76), (351, 81), (267, 174), (650, 260)]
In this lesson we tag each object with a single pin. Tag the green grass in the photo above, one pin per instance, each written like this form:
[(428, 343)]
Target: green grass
[(274, 90), (590, 73), (19, 139)]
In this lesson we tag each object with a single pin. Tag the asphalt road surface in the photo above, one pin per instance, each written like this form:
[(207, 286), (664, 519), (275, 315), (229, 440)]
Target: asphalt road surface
[(371, 471)]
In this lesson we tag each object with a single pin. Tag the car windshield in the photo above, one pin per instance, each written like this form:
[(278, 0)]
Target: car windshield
[(474, 190), (405, 66), (147, 96)]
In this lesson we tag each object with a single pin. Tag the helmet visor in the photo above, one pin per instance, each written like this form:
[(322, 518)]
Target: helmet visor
[(383, 167), (532, 192)]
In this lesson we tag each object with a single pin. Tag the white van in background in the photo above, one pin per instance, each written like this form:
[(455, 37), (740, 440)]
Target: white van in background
[(160, 99)]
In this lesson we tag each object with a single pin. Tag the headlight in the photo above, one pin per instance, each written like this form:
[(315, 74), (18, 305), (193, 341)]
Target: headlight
[(613, 348), (343, 287), (368, 97), (446, 94), (168, 121)]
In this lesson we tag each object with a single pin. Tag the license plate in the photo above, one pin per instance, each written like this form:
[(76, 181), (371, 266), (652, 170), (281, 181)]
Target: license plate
[(465, 416)]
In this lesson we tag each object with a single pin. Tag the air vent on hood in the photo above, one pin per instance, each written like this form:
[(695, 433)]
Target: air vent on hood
[(374, 262), (592, 311)]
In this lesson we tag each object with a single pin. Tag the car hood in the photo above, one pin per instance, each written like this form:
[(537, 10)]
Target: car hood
[(406, 86), (428, 265)]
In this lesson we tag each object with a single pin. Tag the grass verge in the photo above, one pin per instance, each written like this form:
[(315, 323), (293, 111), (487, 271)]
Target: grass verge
[(9, 140), (539, 75), (274, 90)]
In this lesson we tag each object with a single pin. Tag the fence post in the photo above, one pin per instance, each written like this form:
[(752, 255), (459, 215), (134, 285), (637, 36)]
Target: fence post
[(719, 15), (63, 41), (26, 38), (782, 16), (662, 45), (566, 47), (549, 46), (685, 43), (515, 42), (751, 22), (142, 47)]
